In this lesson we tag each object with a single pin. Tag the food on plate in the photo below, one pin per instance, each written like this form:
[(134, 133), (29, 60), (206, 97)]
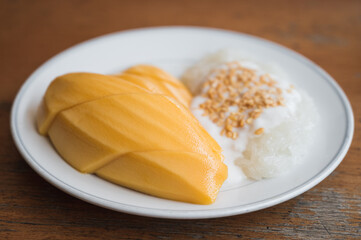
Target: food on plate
[(157, 80), (142, 129), (263, 123), (77, 88), (133, 129)]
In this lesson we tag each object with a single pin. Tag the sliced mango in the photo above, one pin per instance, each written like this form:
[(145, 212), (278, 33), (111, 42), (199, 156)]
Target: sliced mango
[(74, 88), (89, 134), (168, 175), (175, 86), (133, 129), (153, 72), (156, 86)]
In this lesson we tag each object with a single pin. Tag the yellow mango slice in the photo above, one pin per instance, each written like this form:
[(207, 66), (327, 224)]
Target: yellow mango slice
[(173, 175), (74, 88), (176, 87), (90, 134), (156, 86), (153, 72), (180, 93), (133, 129)]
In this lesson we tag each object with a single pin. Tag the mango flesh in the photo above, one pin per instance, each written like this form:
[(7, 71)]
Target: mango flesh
[(163, 173), (155, 73), (129, 123), (137, 134), (74, 88), (178, 93), (176, 87)]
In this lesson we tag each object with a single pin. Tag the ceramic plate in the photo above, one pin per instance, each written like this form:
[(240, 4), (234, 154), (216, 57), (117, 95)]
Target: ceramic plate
[(174, 49)]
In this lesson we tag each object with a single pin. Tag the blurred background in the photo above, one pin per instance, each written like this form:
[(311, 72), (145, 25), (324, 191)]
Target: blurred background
[(327, 32), (33, 31)]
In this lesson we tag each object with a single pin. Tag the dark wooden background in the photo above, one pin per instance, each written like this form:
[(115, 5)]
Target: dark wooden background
[(327, 32)]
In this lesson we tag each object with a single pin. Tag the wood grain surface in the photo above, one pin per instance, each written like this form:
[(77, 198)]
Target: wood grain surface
[(327, 32)]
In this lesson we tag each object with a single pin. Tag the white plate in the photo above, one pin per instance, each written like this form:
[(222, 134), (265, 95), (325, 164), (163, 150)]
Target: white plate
[(174, 49)]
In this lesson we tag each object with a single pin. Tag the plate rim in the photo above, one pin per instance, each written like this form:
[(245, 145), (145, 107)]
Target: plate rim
[(188, 214)]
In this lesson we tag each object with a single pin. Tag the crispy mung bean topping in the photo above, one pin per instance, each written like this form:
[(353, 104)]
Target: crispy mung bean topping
[(259, 131), (236, 95)]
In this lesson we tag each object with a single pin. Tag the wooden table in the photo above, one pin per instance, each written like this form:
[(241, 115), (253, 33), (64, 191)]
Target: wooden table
[(327, 32)]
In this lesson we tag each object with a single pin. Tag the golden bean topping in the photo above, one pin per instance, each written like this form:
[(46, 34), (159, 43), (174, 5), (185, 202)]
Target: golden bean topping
[(236, 96), (259, 131)]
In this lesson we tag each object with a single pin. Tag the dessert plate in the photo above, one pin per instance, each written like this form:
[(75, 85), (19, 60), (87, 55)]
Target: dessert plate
[(174, 49)]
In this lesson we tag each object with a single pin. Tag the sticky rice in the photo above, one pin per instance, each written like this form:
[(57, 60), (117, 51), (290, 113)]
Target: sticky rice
[(270, 144)]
